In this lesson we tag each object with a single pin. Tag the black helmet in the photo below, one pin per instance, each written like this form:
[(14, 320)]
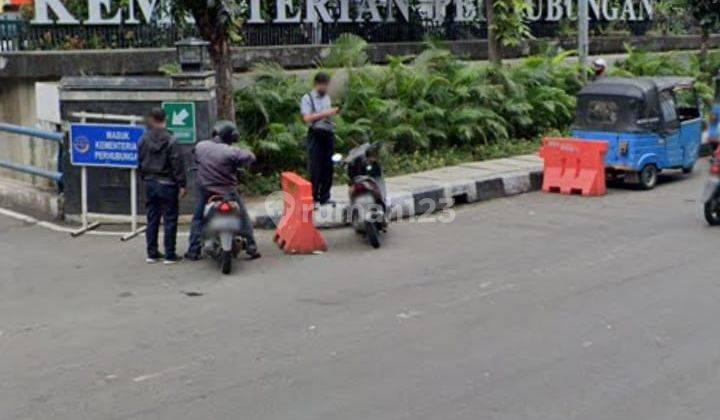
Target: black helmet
[(226, 131)]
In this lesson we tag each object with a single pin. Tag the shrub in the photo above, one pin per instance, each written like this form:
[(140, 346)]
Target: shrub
[(641, 63), (267, 115)]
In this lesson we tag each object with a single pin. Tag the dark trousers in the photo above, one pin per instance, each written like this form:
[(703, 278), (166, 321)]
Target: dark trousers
[(198, 221), (162, 201), (321, 146)]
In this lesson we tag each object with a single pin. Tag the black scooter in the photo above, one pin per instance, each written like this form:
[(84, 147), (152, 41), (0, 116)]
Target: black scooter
[(221, 235), (368, 196), (221, 240)]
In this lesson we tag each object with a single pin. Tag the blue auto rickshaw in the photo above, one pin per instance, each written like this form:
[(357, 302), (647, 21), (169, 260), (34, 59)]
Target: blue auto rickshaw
[(650, 125), (714, 120)]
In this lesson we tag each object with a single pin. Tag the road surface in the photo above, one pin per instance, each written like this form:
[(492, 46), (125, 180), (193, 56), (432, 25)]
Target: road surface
[(533, 307)]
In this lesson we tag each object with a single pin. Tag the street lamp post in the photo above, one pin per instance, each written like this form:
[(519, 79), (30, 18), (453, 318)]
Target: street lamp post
[(196, 69), (193, 55), (583, 38)]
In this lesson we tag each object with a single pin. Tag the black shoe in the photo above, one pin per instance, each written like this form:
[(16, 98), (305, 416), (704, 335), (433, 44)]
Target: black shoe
[(192, 257), (172, 260), (253, 253), (155, 258)]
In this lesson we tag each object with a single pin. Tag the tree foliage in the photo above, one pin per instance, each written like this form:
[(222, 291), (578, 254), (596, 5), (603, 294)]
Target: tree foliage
[(511, 21), (508, 26), (642, 63), (218, 22), (707, 12), (215, 19)]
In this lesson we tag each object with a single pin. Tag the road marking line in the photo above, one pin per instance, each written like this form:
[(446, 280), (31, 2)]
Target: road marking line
[(62, 229), (146, 377), (143, 378), (18, 216)]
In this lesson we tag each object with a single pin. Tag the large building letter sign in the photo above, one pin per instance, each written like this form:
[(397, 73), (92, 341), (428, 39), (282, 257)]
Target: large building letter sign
[(48, 12)]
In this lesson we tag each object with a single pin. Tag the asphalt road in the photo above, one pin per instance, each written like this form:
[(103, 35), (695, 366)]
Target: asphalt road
[(532, 307)]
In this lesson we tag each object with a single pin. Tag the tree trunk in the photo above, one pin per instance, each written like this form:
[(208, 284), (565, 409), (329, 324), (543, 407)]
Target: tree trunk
[(222, 62), (493, 47), (704, 40)]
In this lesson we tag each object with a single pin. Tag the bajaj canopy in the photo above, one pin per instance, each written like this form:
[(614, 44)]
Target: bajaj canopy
[(620, 104)]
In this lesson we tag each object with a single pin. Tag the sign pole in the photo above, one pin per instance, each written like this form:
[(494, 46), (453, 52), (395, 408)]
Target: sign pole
[(133, 196), (86, 226), (133, 199), (83, 190), (583, 38), (83, 194), (134, 231)]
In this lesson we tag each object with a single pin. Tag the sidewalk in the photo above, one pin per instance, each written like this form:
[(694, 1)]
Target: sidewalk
[(426, 192)]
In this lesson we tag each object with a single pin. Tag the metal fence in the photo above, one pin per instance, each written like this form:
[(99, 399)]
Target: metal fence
[(416, 30), (10, 31), (18, 35), (35, 133)]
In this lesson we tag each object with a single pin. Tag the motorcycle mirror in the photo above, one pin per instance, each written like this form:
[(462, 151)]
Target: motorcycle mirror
[(337, 157)]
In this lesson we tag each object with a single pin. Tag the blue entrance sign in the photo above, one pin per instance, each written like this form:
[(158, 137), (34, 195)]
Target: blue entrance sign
[(105, 145)]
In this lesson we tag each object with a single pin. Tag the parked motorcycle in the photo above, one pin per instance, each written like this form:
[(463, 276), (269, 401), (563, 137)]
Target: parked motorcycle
[(221, 239), (710, 198), (368, 197)]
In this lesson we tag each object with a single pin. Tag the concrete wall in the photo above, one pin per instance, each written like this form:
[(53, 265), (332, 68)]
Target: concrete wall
[(55, 64), (18, 106), (109, 189)]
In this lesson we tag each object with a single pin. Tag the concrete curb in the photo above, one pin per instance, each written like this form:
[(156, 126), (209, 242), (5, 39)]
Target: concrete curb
[(427, 192), (424, 193)]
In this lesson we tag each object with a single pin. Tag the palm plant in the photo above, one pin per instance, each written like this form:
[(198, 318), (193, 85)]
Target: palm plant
[(347, 50), (268, 119)]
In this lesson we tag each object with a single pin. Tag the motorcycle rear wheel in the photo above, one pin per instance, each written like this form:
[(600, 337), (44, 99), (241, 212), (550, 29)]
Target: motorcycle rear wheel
[(226, 258), (373, 236), (712, 212)]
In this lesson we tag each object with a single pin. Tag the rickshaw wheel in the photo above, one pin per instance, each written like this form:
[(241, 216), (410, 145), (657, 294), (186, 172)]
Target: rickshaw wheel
[(688, 169), (648, 177)]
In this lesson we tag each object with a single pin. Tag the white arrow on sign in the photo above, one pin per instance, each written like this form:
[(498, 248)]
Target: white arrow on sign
[(179, 118)]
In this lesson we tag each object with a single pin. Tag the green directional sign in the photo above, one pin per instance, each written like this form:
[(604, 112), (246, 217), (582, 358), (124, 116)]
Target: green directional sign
[(181, 121)]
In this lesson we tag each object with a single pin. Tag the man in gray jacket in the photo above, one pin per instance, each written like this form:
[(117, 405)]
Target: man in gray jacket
[(217, 165)]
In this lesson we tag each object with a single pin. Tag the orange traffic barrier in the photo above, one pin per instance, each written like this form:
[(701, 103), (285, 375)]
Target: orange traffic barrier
[(573, 166), (296, 233)]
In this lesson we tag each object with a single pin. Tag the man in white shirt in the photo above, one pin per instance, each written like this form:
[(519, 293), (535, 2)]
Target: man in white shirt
[(317, 112)]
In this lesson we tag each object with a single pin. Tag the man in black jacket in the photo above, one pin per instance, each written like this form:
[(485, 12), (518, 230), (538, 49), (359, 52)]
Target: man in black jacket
[(163, 170)]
